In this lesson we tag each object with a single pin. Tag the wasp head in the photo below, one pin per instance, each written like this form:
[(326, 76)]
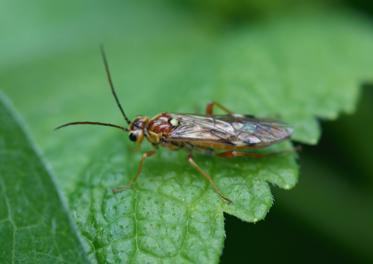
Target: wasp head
[(136, 129)]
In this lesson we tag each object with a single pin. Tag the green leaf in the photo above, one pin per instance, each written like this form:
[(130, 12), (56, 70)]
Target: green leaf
[(172, 213), (296, 67), (34, 224)]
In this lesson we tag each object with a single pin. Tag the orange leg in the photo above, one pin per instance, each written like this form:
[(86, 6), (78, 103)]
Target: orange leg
[(232, 154), (208, 178), (210, 108), (139, 169)]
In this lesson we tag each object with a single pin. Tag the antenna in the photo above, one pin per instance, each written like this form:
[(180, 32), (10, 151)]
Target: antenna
[(91, 123), (112, 85)]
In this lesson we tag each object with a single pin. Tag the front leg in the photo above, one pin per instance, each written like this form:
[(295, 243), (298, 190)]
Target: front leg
[(139, 169)]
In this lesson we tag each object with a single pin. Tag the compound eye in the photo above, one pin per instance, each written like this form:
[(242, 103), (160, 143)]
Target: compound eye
[(133, 137)]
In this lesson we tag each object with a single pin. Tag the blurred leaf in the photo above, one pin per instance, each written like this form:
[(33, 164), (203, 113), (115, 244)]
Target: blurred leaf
[(326, 201), (351, 138), (296, 67), (34, 224), (237, 10)]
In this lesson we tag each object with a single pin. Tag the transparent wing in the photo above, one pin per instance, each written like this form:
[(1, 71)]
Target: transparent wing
[(236, 130)]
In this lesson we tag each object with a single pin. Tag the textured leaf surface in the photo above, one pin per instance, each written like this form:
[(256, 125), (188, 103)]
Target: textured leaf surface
[(297, 68), (171, 214), (34, 224)]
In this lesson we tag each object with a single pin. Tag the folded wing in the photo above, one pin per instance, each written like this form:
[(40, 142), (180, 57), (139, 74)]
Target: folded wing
[(233, 130)]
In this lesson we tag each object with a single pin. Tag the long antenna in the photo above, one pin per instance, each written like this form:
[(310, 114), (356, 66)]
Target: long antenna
[(112, 85), (91, 123)]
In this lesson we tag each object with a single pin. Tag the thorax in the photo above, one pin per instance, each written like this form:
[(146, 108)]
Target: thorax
[(159, 127)]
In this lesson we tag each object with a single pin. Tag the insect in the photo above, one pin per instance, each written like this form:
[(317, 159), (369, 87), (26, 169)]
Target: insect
[(226, 136)]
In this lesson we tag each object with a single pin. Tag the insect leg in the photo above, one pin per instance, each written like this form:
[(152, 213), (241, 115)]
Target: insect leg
[(139, 169), (208, 178), (232, 154), (210, 107)]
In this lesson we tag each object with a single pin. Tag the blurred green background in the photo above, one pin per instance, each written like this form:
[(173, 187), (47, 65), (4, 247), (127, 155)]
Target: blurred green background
[(327, 217)]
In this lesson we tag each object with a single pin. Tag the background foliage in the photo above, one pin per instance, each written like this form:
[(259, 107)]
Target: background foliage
[(295, 61), (34, 223)]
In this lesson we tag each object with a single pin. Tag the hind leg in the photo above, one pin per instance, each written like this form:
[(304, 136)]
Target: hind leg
[(210, 108), (234, 153)]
